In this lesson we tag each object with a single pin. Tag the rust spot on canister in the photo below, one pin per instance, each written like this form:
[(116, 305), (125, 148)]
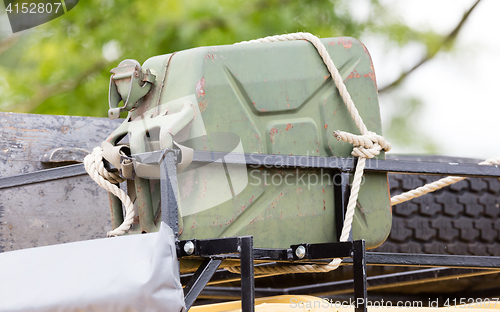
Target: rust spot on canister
[(272, 133), (353, 74), (203, 104), (199, 87), (346, 43), (288, 126), (371, 75)]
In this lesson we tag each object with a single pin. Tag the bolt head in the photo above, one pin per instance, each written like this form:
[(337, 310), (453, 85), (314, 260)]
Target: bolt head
[(189, 248), (300, 252)]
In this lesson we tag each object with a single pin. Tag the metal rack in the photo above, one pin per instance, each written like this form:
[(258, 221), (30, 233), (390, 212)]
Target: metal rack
[(215, 251)]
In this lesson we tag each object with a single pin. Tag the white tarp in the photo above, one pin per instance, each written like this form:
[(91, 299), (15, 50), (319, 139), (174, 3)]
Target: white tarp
[(129, 273)]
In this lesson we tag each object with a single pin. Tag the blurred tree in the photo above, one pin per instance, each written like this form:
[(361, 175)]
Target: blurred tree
[(62, 67)]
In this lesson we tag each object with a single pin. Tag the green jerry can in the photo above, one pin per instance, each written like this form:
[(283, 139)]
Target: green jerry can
[(269, 98)]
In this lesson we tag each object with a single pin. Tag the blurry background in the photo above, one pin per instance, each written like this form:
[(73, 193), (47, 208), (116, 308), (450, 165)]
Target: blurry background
[(436, 61)]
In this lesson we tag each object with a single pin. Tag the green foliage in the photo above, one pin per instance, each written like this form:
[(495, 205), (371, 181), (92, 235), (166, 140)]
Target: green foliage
[(400, 128), (59, 67)]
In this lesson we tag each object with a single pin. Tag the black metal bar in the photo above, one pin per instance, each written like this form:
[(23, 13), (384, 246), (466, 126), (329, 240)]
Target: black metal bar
[(359, 272), (432, 168), (386, 281), (271, 254), (339, 163), (374, 165), (222, 246), (200, 280), (334, 250), (168, 190), (341, 191), (324, 250), (430, 260), (43, 176), (229, 247), (247, 275), (225, 246), (210, 247), (262, 160), (346, 286)]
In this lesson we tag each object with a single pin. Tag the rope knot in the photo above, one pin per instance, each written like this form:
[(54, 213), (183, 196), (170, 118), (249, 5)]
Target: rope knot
[(368, 145)]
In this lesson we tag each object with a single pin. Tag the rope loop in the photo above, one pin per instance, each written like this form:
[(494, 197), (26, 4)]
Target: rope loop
[(111, 176), (94, 165)]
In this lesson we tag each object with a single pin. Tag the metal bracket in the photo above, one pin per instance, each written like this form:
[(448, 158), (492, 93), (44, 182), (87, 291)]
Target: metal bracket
[(129, 83), (168, 190), (214, 250), (359, 271), (352, 249), (199, 280)]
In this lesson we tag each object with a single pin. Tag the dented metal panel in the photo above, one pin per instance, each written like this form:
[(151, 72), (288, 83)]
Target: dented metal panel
[(60, 211), (274, 98)]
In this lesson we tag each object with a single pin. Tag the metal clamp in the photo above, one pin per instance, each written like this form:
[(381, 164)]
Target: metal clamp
[(129, 83)]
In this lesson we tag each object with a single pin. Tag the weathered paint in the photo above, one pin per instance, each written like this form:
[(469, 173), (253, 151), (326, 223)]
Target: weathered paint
[(61, 211), (278, 98), (199, 87)]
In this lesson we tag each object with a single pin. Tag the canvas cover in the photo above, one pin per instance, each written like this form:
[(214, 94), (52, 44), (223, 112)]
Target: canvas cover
[(128, 273)]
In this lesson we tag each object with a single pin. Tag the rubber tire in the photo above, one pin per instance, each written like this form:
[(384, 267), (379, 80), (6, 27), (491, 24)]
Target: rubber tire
[(460, 219)]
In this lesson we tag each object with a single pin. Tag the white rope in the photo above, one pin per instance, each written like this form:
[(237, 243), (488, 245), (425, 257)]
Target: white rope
[(434, 186), (95, 168), (366, 145)]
